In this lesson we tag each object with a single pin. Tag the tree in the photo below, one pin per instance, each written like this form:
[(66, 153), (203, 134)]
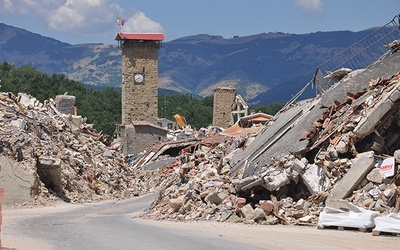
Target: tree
[(196, 113), (103, 107), (270, 109)]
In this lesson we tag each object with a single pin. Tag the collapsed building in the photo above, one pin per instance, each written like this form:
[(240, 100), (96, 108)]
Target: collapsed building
[(340, 148), (314, 154), (49, 155)]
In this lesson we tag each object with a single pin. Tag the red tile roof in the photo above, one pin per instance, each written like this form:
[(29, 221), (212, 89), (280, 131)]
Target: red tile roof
[(140, 36)]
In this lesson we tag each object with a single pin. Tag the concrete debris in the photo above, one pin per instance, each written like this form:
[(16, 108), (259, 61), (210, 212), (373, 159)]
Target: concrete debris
[(310, 159), (394, 46), (337, 75), (375, 176), (339, 163), (353, 177), (211, 194), (49, 155)]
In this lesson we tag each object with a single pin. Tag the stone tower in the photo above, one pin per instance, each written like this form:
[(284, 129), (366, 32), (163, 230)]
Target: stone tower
[(139, 76), (224, 97)]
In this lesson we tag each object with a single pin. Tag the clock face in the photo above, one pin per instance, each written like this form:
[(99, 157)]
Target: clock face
[(139, 77)]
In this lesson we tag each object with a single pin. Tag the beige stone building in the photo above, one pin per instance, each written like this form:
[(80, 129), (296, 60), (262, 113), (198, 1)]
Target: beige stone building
[(139, 136), (139, 76), (224, 98), (138, 130)]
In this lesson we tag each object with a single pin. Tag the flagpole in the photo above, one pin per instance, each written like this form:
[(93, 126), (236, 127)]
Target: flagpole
[(120, 22)]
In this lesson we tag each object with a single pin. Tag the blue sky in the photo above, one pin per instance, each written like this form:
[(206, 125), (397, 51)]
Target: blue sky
[(95, 21)]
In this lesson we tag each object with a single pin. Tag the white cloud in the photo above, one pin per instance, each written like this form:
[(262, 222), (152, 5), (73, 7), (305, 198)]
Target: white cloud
[(27, 7), (310, 6), (82, 17), (140, 23), (15, 6), (66, 18), (7, 5)]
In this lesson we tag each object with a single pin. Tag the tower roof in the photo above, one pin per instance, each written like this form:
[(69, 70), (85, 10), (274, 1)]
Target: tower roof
[(140, 36)]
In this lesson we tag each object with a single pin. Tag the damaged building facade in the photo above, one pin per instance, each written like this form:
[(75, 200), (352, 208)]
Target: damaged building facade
[(223, 100), (228, 107)]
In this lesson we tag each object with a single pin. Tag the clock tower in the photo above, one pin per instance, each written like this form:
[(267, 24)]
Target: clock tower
[(139, 76)]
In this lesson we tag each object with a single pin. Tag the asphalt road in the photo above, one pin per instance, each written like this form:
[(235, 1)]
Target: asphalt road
[(113, 225), (108, 225)]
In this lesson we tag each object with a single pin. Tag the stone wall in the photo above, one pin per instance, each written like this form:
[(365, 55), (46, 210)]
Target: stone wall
[(137, 138), (139, 100), (20, 184), (65, 104), (223, 100)]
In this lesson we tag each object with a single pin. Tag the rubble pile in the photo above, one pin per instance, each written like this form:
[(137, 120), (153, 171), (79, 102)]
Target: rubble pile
[(199, 184), (344, 159), (366, 124), (200, 187), (351, 153), (66, 156)]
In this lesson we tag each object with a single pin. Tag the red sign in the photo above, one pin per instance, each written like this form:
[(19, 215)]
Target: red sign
[(387, 167)]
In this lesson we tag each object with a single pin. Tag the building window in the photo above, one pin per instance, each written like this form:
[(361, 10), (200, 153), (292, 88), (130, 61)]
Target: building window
[(169, 125)]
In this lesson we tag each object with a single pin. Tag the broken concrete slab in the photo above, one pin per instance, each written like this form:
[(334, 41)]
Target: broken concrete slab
[(215, 197), (300, 165), (267, 137), (176, 204), (258, 214), (368, 123), (275, 182), (273, 141), (360, 168)]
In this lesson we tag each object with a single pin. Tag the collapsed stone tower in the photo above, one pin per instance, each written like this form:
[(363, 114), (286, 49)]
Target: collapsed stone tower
[(224, 97)]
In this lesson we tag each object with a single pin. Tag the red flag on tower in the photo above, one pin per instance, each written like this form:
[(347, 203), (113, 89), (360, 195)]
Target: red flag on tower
[(120, 21)]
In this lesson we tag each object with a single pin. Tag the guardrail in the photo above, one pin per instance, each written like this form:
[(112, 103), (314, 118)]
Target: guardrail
[(358, 56)]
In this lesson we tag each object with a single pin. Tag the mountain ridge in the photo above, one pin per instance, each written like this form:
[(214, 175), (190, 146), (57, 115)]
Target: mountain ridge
[(274, 64)]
